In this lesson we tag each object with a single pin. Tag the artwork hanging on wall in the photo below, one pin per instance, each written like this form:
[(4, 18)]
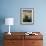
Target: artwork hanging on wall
[(26, 15)]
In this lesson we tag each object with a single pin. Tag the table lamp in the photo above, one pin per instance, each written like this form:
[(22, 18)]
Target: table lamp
[(9, 21)]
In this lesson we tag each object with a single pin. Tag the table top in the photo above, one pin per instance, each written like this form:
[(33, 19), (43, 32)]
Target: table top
[(22, 35)]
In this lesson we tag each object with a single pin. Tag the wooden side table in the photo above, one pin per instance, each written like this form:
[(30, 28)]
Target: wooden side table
[(20, 39)]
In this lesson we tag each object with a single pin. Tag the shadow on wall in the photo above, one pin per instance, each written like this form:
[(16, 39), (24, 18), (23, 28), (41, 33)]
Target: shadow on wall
[(2, 21)]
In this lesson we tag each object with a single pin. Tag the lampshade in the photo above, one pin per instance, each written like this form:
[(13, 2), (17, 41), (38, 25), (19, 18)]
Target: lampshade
[(9, 21)]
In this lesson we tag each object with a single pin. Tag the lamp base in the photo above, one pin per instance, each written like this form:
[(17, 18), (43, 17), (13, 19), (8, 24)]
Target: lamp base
[(9, 33)]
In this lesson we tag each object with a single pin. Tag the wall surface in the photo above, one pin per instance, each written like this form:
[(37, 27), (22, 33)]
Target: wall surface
[(11, 8)]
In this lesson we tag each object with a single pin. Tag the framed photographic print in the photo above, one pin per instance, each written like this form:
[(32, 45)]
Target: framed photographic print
[(26, 15)]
